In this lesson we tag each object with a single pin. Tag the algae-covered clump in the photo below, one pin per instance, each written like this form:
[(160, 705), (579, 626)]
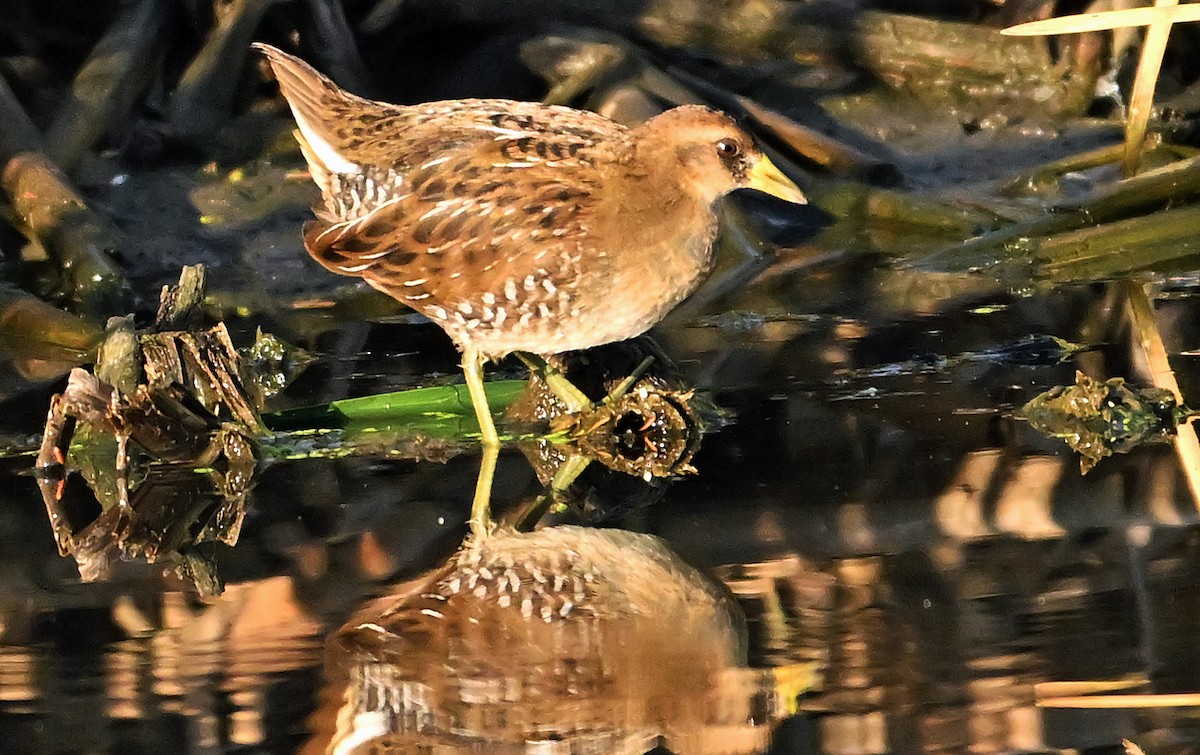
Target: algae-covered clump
[(1098, 418)]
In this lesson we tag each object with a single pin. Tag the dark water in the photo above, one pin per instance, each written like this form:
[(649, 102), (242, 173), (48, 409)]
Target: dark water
[(879, 519)]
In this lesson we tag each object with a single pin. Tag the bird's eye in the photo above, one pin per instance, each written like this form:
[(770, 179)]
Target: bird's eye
[(728, 148)]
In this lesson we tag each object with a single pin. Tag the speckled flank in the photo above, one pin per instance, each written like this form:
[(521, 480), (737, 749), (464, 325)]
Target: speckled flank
[(514, 225)]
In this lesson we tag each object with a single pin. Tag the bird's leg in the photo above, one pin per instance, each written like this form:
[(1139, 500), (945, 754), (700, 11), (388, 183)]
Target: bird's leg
[(481, 514), (481, 509), (472, 365), (558, 383)]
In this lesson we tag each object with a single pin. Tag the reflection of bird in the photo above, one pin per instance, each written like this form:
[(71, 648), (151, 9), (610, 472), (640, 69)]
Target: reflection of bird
[(517, 226), (599, 640)]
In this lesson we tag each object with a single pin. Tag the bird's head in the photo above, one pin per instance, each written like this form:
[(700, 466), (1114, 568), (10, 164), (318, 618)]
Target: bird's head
[(714, 154)]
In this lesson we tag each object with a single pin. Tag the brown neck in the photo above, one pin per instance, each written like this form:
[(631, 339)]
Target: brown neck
[(657, 206)]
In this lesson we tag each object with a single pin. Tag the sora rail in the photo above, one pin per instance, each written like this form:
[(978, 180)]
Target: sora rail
[(517, 226)]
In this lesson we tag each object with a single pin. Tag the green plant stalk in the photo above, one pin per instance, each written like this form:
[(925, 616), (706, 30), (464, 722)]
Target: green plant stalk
[(1128, 199), (1150, 242), (344, 427)]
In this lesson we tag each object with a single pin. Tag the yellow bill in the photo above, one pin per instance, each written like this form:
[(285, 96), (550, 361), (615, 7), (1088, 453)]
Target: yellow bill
[(768, 179)]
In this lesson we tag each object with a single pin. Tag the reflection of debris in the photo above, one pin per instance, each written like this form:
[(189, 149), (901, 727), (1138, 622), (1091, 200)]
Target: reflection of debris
[(1032, 350), (650, 431), (593, 640), (1100, 418), (789, 605), (163, 434), (646, 425), (167, 512)]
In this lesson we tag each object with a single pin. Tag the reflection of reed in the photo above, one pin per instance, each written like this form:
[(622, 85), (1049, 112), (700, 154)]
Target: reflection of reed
[(582, 640), (940, 652), (788, 604), (181, 676)]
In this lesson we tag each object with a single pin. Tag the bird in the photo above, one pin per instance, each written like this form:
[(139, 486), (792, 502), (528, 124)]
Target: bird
[(517, 226)]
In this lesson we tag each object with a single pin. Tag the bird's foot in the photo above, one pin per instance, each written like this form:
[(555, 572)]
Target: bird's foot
[(575, 401), (563, 389)]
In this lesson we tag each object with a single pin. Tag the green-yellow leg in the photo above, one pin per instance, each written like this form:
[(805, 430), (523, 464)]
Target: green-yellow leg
[(553, 497), (481, 513), (557, 382)]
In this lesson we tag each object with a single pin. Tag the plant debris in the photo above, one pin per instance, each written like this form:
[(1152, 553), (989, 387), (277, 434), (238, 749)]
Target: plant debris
[(164, 435), (1098, 418)]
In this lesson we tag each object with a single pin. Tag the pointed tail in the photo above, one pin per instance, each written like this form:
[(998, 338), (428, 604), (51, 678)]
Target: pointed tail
[(320, 109)]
